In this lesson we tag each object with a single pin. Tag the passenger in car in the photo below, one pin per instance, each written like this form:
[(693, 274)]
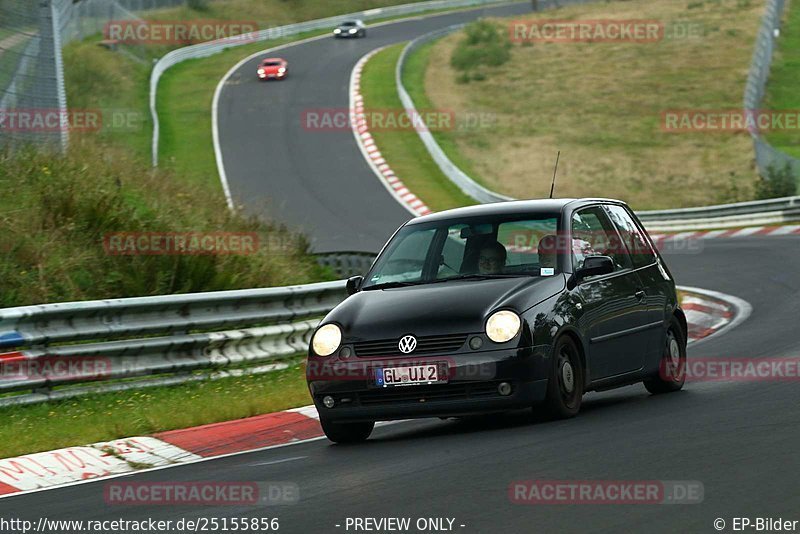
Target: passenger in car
[(547, 250)]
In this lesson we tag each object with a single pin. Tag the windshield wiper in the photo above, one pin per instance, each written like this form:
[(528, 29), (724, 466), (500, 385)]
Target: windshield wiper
[(391, 285), (479, 277)]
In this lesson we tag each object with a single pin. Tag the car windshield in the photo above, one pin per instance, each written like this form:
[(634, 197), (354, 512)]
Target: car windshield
[(474, 248), (272, 63), (349, 23)]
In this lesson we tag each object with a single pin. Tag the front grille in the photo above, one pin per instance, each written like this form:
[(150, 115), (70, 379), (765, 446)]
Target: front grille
[(434, 393), (425, 345)]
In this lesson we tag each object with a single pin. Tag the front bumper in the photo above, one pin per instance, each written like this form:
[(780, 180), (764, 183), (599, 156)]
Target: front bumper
[(472, 387)]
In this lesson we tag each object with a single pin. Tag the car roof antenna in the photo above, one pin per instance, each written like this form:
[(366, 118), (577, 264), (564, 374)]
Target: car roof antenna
[(555, 171)]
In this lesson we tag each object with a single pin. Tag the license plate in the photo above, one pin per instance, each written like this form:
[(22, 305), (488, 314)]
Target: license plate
[(409, 375)]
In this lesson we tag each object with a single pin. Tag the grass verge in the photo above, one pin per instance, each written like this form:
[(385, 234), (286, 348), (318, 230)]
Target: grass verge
[(782, 94), (601, 105), (403, 148), (56, 210), (103, 417)]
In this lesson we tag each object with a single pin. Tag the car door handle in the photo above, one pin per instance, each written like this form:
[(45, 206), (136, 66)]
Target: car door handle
[(640, 295)]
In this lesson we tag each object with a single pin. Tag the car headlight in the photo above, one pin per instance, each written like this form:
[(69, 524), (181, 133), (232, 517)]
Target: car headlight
[(261, 71), (353, 30), (503, 326), (282, 70), (337, 30), (326, 340)]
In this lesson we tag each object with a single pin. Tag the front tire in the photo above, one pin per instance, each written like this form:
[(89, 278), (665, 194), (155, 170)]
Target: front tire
[(565, 386), (347, 432), (672, 367)]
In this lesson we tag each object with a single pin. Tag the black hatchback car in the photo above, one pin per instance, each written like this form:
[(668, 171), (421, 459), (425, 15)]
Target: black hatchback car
[(498, 307)]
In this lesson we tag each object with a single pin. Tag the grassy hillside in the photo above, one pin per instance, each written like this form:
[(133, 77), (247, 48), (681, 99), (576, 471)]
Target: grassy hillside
[(55, 212), (601, 105)]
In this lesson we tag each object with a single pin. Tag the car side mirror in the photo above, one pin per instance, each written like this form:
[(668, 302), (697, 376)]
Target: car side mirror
[(354, 285), (595, 266)]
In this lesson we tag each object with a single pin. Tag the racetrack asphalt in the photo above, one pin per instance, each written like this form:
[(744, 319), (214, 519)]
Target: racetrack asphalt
[(315, 181), (739, 439)]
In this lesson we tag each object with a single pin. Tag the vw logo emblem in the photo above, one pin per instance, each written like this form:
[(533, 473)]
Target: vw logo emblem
[(407, 344)]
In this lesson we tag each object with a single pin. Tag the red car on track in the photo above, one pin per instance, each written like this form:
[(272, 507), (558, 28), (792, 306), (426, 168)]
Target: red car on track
[(273, 68)]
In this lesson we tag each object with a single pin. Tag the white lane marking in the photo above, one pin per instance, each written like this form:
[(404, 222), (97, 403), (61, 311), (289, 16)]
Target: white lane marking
[(281, 461)]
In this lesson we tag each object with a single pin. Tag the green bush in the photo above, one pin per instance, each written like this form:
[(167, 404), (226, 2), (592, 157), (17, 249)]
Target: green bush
[(778, 183), (484, 45), (56, 210), (198, 5)]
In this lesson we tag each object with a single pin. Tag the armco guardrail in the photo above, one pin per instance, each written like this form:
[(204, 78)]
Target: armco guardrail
[(754, 213), (347, 264), (213, 47), (170, 337), (469, 186), (766, 155)]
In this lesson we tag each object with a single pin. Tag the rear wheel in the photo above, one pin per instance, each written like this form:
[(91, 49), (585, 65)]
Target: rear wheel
[(346, 432), (565, 386), (672, 368)]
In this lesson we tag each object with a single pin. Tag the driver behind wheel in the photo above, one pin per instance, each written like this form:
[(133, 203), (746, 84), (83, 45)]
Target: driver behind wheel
[(492, 258)]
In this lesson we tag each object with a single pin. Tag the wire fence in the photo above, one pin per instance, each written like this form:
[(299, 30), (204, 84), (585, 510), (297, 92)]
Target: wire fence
[(766, 43), (31, 75), (33, 104)]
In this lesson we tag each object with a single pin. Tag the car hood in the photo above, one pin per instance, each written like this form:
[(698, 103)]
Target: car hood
[(270, 68), (440, 308)]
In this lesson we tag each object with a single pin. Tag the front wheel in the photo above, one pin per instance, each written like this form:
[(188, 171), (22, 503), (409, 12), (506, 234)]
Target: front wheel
[(347, 432), (565, 386), (672, 367)]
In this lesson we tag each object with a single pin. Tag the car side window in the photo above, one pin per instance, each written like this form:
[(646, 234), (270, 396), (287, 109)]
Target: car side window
[(593, 234), (641, 252)]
